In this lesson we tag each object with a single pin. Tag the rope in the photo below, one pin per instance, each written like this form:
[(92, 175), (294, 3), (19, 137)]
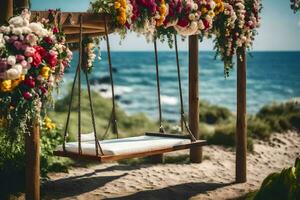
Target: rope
[(113, 116), (161, 128), (97, 144), (182, 114), (79, 88)]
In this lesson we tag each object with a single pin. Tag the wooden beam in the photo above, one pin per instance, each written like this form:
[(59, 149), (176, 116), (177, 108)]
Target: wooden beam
[(195, 152), (241, 122), (6, 10), (32, 149)]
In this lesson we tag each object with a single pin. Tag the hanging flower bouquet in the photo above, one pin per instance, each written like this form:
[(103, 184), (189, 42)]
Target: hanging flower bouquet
[(295, 5), (241, 19), (33, 57)]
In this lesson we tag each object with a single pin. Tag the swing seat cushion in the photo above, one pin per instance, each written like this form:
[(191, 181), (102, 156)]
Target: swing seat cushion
[(130, 145)]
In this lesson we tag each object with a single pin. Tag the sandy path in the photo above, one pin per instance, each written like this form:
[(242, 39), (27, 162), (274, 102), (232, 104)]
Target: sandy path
[(212, 179)]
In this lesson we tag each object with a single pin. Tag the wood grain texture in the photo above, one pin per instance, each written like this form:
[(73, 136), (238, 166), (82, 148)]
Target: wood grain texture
[(195, 152), (241, 123)]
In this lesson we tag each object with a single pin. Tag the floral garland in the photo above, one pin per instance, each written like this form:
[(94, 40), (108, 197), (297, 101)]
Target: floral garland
[(160, 18), (295, 5), (241, 19), (33, 58)]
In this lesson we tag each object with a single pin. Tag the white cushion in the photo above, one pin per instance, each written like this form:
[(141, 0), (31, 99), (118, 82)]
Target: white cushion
[(125, 145)]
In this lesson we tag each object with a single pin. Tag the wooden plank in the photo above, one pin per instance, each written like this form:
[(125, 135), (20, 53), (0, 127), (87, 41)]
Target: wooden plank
[(168, 135), (6, 10), (109, 158), (196, 152), (74, 38), (72, 31), (241, 123), (32, 149)]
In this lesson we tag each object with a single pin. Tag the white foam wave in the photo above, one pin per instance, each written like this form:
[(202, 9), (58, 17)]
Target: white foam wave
[(169, 100), (105, 90)]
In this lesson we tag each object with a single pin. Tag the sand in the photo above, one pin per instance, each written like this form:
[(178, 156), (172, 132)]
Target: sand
[(211, 179)]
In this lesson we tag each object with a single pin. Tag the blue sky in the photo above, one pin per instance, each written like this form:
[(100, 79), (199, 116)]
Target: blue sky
[(280, 28)]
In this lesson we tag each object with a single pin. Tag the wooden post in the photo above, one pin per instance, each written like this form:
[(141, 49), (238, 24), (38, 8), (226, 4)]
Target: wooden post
[(195, 152), (32, 149), (21, 4), (6, 7), (241, 122)]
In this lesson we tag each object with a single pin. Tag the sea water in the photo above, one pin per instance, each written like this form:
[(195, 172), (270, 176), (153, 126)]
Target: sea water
[(272, 77)]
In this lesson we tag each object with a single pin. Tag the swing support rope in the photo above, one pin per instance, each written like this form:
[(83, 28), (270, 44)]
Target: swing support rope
[(113, 118)]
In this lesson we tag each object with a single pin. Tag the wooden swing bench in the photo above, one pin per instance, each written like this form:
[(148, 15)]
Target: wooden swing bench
[(77, 26), (132, 147)]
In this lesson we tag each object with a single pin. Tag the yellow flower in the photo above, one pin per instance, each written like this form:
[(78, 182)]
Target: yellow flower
[(212, 14), (5, 86), (49, 124), (123, 3), (45, 72), (204, 10), (117, 5), (15, 83)]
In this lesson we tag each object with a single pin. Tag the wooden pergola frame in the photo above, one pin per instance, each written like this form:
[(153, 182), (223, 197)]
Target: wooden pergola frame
[(94, 26)]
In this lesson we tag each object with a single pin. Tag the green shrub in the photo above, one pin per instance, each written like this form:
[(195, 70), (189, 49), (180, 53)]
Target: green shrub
[(225, 135), (213, 114), (279, 186), (12, 160), (281, 117), (258, 128)]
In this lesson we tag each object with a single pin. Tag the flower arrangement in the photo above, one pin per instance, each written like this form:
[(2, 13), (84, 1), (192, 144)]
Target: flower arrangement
[(241, 19), (33, 58), (159, 18), (295, 5)]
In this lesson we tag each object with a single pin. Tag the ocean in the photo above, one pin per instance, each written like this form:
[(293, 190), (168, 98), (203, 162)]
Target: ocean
[(272, 77)]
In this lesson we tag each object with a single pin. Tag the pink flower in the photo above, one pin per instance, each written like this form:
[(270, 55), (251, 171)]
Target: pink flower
[(27, 95), (29, 51), (18, 45), (20, 58)]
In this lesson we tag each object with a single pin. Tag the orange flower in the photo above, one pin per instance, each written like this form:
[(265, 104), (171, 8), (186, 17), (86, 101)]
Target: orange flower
[(6, 86)]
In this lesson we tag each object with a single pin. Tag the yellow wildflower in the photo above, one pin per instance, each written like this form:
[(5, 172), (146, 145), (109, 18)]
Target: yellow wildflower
[(204, 10), (117, 5), (49, 124), (5, 86), (45, 72), (15, 83)]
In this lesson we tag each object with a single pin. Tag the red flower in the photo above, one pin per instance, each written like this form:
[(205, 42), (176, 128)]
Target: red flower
[(30, 82), (52, 60), (41, 50), (183, 22), (48, 40), (43, 89), (55, 30), (27, 95), (37, 59), (206, 24)]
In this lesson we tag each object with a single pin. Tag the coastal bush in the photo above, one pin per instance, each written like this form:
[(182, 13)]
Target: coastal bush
[(213, 114), (258, 128), (281, 117), (278, 186), (225, 135)]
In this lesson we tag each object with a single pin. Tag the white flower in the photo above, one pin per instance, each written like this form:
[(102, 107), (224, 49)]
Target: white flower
[(2, 41), (5, 29), (17, 21), (14, 72), (11, 60), (17, 31), (192, 17)]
